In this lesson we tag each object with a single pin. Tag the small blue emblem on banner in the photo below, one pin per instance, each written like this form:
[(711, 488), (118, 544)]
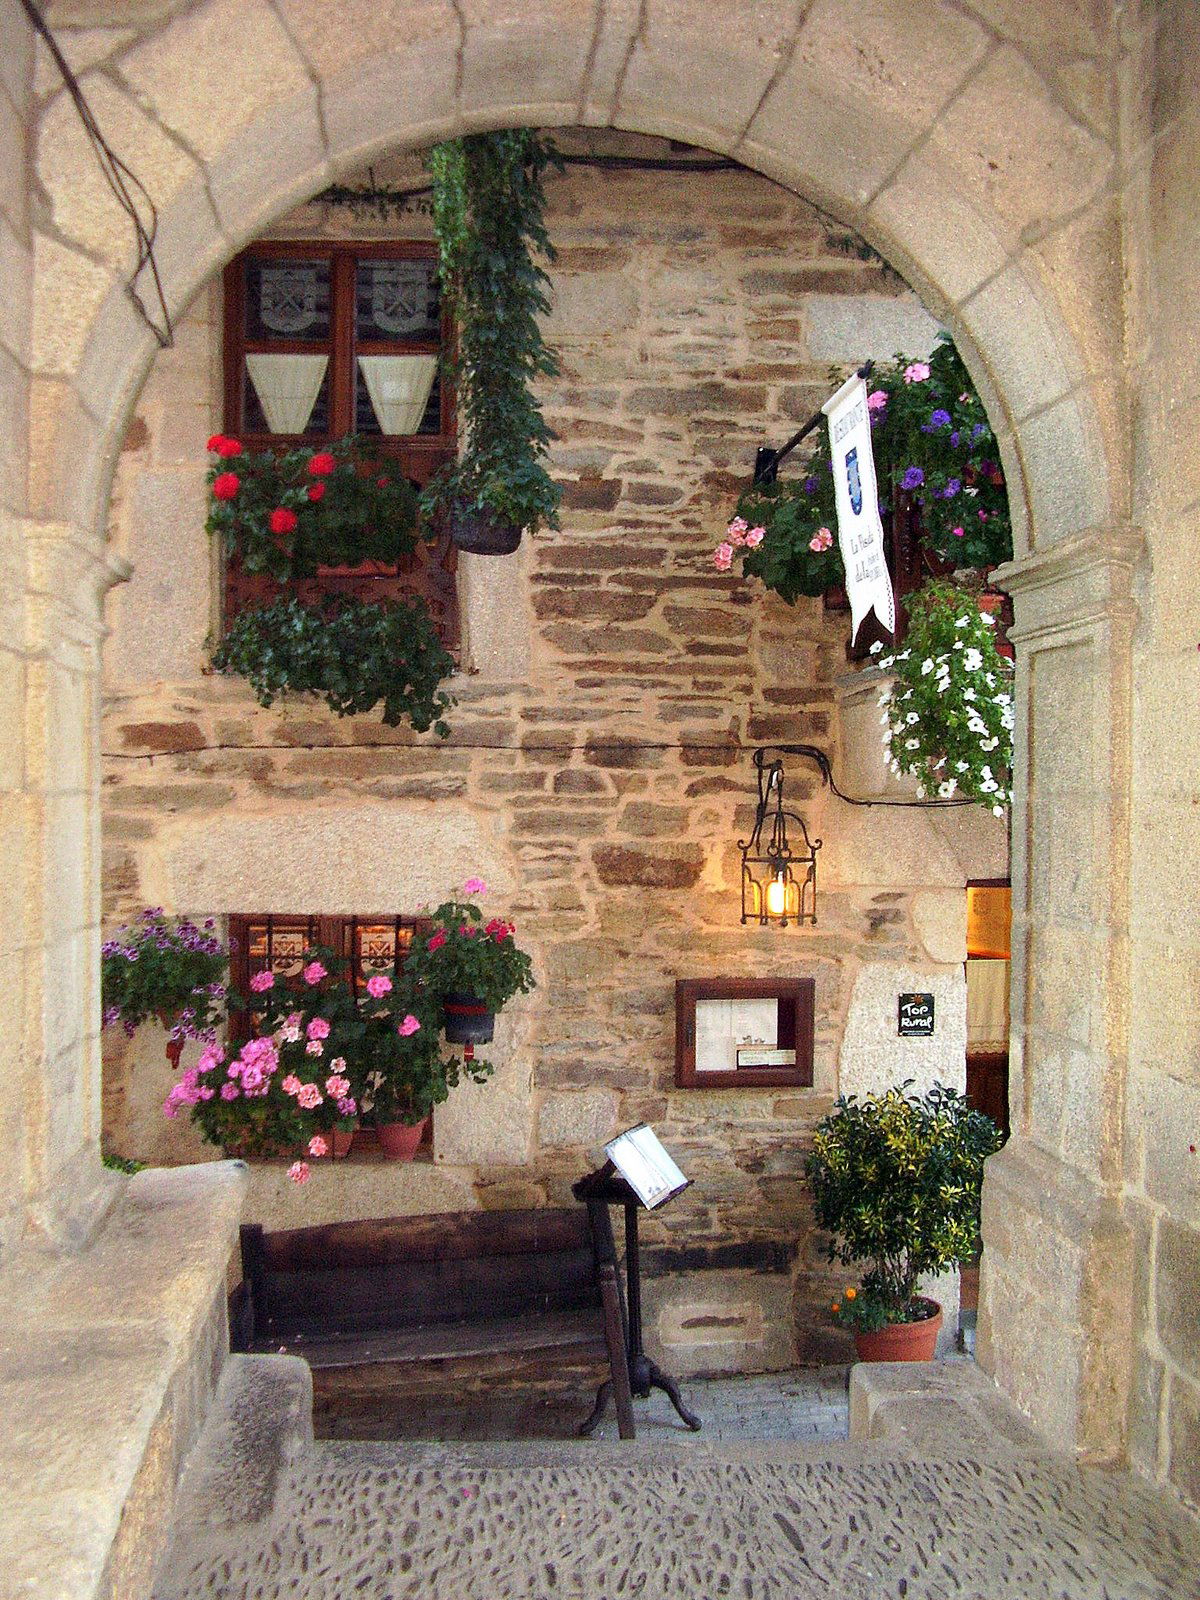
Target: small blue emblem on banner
[(854, 481)]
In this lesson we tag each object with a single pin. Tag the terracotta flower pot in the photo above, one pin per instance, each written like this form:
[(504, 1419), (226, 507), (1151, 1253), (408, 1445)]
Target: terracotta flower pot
[(400, 1141), (902, 1341), (340, 1140), (467, 1020)]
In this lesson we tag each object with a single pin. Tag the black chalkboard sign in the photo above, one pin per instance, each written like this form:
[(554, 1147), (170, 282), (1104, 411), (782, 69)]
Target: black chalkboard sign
[(916, 1016)]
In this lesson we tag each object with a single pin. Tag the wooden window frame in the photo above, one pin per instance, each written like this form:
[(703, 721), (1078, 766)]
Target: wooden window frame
[(430, 571), (801, 992)]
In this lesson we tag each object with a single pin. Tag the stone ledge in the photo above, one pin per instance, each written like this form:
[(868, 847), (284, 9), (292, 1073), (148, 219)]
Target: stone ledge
[(940, 1407), (108, 1361)]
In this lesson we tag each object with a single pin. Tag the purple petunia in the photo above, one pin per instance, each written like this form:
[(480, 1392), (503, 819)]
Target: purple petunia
[(952, 488), (913, 478), (810, 486)]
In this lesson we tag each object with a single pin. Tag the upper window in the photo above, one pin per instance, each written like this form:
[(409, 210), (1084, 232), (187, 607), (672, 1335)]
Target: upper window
[(324, 340)]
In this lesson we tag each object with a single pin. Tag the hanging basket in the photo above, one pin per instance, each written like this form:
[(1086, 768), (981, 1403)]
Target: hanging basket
[(467, 1020), (481, 533)]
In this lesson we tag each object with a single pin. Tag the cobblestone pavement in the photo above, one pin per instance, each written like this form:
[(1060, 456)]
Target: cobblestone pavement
[(807, 1404), (266, 1514)]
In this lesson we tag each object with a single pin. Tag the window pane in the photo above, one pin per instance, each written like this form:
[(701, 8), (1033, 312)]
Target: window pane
[(287, 299), (397, 301)]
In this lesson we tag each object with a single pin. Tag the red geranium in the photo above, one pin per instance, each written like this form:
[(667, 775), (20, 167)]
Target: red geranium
[(226, 485), (499, 929), (436, 940), (224, 446), (321, 465), (316, 491), (281, 520)]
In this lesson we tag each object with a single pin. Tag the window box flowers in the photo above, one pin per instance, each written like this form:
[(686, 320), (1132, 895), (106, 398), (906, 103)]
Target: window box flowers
[(168, 968), (931, 439)]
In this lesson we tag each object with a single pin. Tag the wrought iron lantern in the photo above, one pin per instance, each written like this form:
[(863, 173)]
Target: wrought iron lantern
[(779, 876)]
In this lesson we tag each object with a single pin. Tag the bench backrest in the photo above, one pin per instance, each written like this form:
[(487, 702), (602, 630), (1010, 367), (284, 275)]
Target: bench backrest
[(401, 1272)]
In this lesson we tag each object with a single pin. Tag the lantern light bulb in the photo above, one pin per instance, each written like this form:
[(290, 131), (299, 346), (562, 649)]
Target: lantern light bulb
[(777, 895)]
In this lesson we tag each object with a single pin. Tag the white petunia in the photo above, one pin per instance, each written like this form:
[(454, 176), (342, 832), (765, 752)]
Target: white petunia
[(962, 622), (912, 744), (945, 790), (877, 647), (912, 717), (926, 667), (997, 811), (969, 694), (972, 660)]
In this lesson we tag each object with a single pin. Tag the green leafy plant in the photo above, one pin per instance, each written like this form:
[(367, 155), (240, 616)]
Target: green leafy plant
[(164, 967), (931, 438), (354, 653), (287, 514), (460, 953), (488, 209), (125, 1164), (948, 713), (409, 1072), (896, 1180)]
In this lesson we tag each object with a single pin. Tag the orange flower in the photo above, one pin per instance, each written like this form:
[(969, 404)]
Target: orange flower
[(851, 1294), (835, 1307)]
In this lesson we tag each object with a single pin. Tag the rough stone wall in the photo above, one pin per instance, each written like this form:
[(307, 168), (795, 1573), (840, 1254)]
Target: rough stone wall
[(17, 1074), (598, 769), (1162, 1109)]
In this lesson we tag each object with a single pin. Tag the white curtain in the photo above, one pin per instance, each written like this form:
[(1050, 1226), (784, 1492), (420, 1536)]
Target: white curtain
[(987, 1004), (399, 388), (287, 388)]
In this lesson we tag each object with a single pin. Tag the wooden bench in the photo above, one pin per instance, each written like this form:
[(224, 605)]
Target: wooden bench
[(437, 1288)]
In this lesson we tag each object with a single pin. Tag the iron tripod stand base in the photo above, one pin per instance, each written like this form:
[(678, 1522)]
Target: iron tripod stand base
[(644, 1375)]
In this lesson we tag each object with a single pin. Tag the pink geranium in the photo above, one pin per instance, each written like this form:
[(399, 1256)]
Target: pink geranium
[(378, 986), (310, 1097), (877, 399), (262, 981), (475, 886), (317, 1146), (299, 1172), (229, 1091), (314, 972), (314, 1047), (915, 372), (735, 533), (291, 1084), (436, 940), (253, 1077), (723, 557), (318, 1028), (408, 1027), (755, 537), (337, 1088)]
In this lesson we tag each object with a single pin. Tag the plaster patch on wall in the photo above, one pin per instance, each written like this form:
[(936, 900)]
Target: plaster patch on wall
[(873, 1058), (840, 329), (340, 860), (894, 848), (940, 918)]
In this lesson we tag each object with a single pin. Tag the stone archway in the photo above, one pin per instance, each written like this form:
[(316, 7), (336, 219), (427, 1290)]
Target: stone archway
[(899, 121)]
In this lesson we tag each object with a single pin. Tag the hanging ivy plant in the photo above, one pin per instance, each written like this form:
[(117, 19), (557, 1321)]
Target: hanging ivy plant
[(353, 653), (289, 513), (489, 215), (930, 437)]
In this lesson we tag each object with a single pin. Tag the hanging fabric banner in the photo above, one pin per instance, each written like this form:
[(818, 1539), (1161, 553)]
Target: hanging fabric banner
[(860, 532)]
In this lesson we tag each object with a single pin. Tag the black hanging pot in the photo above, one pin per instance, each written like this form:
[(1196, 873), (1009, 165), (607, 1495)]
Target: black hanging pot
[(467, 1020), (483, 533)]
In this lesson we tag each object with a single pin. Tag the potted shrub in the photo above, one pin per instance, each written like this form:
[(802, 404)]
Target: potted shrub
[(947, 711), (488, 212), (168, 968), (473, 967), (896, 1181)]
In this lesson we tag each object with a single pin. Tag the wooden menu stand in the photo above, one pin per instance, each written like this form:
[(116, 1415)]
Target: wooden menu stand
[(599, 1190)]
